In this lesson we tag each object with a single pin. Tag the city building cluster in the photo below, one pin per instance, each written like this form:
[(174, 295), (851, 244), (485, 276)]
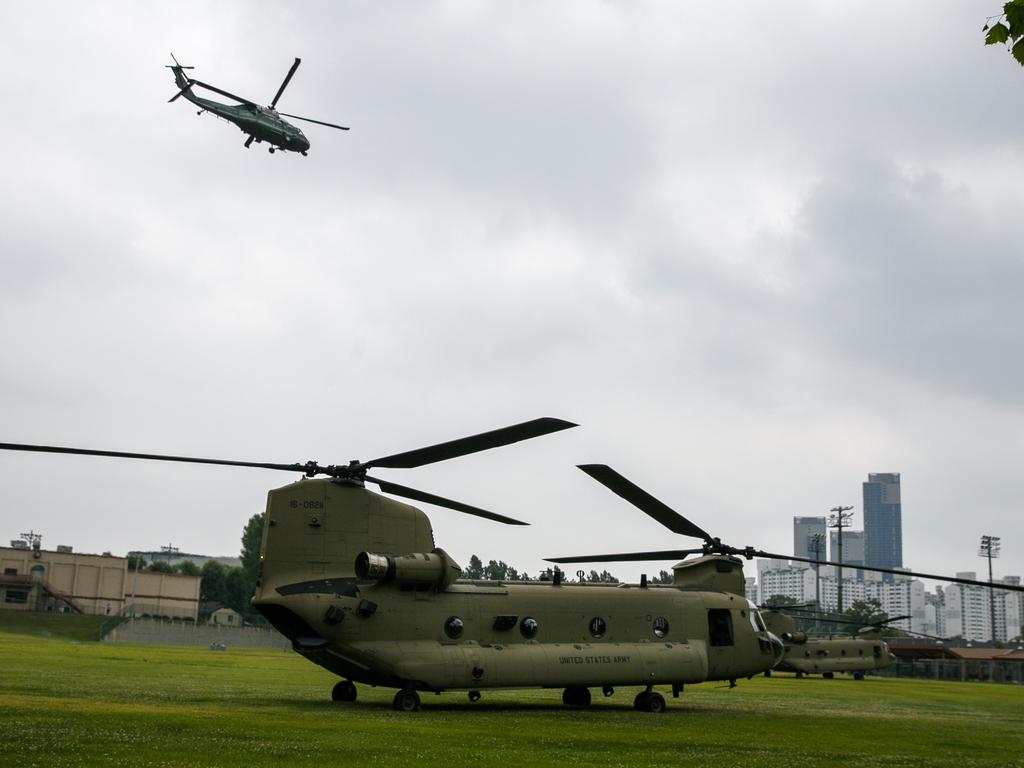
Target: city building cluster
[(954, 610)]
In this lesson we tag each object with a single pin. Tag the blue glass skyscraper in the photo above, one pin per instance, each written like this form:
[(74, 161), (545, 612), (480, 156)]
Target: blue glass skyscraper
[(883, 521)]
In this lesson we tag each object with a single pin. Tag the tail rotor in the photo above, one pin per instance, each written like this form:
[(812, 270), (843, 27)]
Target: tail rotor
[(183, 83)]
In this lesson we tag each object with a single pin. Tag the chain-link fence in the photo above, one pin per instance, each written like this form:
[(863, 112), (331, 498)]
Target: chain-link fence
[(958, 669)]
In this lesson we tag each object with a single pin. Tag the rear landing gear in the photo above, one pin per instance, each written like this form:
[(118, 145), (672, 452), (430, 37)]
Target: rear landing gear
[(270, 150), (474, 695), (576, 697), (304, 154), (406, 700), (344, 691), (858, 675), (649, 701)]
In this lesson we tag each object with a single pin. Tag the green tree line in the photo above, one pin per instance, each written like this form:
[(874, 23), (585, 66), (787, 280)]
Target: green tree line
[(499, 570), (228, 586)]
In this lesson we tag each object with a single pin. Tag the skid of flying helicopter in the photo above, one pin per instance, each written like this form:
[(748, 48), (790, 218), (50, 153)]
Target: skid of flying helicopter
[(260, 123)]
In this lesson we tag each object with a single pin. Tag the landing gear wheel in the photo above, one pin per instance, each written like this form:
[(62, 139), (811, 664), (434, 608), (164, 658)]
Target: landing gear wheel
[(649, 701), (607, 691), (576, 697), (270, 150), (406, 700), (858, 675), (474, 695), (827, 675), (304, 154), (344, 691)]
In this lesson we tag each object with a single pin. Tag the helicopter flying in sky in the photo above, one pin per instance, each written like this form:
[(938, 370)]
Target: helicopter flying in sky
[(262, 124)]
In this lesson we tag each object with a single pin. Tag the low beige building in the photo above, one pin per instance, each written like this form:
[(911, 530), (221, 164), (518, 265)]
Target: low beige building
[(44, 580)]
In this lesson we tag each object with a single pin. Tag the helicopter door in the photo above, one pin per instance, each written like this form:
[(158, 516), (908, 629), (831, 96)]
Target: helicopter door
[(721, 643)]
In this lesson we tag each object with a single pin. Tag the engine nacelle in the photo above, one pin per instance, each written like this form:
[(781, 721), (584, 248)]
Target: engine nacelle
[(422, 569), (795, 637)]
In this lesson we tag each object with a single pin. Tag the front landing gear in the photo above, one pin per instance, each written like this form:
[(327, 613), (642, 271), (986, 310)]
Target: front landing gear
[(344, 691), (406, 700), (649, 701)]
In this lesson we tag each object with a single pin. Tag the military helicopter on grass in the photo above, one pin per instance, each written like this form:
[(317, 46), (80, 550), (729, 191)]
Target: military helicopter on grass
[(805, 655), (357, 583), (355, 580), (260, 123)]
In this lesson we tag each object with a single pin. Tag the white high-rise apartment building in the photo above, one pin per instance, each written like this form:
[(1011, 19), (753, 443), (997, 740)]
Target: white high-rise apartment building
[(967, 611)]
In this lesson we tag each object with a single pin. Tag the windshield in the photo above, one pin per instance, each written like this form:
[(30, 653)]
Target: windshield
[(755, 618)]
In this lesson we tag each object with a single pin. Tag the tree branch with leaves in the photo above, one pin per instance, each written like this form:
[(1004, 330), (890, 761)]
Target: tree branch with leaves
[(1008, 28)]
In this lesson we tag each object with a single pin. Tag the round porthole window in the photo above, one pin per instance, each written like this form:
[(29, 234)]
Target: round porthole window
[(660, 626), (529, 627), (453, 627), (598, 627)]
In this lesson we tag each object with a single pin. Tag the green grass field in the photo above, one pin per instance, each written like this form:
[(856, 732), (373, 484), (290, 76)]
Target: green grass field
[(68, 703)]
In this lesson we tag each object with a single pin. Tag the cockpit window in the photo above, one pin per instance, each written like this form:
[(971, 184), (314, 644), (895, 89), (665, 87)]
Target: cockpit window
[(757, 621), (755, 618), (720, 626)]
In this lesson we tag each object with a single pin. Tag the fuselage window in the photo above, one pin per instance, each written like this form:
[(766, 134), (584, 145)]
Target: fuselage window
[(453, 627), (529, 627), (720, 626), (660, 626), (598, 627)]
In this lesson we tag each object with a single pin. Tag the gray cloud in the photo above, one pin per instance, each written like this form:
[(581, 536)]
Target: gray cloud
[(756, 252)]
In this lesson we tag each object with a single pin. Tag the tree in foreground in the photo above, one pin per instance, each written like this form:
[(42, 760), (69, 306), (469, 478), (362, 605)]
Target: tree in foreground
[(1007, 28)]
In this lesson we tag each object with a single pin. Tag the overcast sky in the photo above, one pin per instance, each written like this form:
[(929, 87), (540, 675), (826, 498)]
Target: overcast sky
[(756, 251)]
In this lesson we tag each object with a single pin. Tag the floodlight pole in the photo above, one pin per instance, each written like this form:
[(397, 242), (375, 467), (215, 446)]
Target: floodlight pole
[(840, 518), (818, 543), (989, 548)]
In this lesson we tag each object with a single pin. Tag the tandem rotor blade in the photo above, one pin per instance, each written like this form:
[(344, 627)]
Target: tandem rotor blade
[(311, 120), (646, 503), (287, 79), (473, 444), (627, 557), (878, 569), (222, 92), (151, 456), (440, 501)]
